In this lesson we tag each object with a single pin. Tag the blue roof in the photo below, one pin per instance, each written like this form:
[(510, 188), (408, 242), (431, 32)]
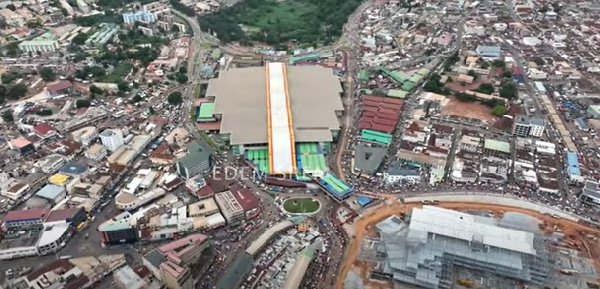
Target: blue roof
[(581, 122), (573, 164), (50, 192), (363, 201), (73, 169)]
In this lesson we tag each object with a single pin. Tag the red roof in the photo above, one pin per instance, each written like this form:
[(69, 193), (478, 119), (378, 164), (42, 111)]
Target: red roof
[(205, 192), (245, 197), (382, 128), (25, 215), (57, 87), (43, 129), (62, 215)]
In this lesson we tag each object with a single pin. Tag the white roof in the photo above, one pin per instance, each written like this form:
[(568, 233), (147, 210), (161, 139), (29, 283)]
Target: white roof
[(280, 130), (215, 219), (53, 233), (467, 227)]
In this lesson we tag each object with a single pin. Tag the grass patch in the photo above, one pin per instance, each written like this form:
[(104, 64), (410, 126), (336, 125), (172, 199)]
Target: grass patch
[(298, 206), (118, 73)]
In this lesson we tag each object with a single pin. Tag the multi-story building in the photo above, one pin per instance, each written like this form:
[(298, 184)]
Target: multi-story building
[(180, 256), (19, 220), (489, 51), (119, 230), (96, 152), (396, 173), (139, 16), (112, 139), (127, 278), (85, 135), (428, 250), (231, 209), (198, 161), (45, 43), (51, 163), (528, 126)]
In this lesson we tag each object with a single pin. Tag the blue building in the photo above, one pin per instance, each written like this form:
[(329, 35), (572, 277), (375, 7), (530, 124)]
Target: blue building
[(489, 51), (139, 16), (573, 167)]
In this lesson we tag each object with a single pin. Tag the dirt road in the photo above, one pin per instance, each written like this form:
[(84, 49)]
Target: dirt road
[(363, 225)]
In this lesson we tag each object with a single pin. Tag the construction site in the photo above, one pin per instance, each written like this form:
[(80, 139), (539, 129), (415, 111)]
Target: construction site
[(565, 253)]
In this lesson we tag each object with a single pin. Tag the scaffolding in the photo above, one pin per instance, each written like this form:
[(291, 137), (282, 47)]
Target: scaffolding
[(431, 260)]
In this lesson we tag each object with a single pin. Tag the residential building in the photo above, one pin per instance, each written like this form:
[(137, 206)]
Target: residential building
[(51, 163), (489, 51), (126, 278), (53, 237), (180, 256), (112, 139), (85, 135), (45, 43), (469, 143), (44, 131), (96, 152), (427, 251), (528, 126), (105, 33), (22, 145), (139, 16), (15, 190), (198, 160), (59, 88)]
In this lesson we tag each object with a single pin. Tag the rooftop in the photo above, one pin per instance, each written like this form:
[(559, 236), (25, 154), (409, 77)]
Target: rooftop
[(367, 159), (497, 145), (43, 129), (13, 216), (467, 227), (73, 169), (50, 192), (241, 97)]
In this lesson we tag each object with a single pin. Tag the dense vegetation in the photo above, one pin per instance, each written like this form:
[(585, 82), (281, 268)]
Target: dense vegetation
[(307, 22)]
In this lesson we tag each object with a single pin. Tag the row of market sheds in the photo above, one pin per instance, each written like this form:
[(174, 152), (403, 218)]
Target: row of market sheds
[(380, 113)]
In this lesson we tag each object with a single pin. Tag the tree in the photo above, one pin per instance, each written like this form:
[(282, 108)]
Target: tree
[(508, 90), (9, 77), (82, 103), (151, 110), (465, 97), (80, 39), (47, 74), (44, 112), (95, 90), (7, 115), (17, 91), (136, 98), (183, 69), (181, 78), (473, 74), (498, 63), (499, 110), (485, 65), (34, 23), (123, 86), (507, 74), (486, 88), (175, 98)]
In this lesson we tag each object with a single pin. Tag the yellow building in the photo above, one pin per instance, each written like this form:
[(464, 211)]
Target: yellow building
[(59, 179)]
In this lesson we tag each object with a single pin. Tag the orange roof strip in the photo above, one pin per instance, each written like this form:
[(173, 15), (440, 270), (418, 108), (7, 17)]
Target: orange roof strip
[(289, 115), (269, 135)]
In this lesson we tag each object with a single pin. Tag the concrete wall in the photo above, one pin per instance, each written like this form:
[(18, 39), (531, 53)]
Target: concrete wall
[(486, 198)]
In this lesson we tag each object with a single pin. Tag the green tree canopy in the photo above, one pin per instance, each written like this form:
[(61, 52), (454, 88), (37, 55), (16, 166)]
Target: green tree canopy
[(499, 110), (7, 115), (486, 88), (175, 98), (509, 90), (17, 91), (47, 74), (82, 103)]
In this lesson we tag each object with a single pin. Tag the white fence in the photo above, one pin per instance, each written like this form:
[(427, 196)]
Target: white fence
[(491, 199)]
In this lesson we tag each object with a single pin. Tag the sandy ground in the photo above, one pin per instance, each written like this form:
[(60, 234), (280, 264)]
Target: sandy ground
[(468, 109), (579, 236)]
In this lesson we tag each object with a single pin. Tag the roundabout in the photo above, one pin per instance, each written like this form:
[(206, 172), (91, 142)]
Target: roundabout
[(301, 206)]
